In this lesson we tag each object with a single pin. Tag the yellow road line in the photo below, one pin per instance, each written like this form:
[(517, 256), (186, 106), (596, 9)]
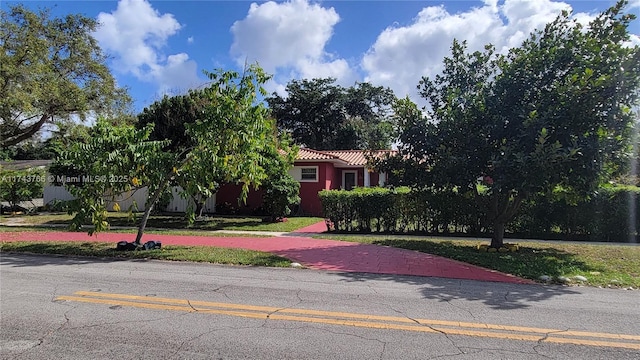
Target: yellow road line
[(358, 316), (351, 319)]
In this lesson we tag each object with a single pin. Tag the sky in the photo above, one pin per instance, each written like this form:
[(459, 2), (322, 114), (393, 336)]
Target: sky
[(163, 47)]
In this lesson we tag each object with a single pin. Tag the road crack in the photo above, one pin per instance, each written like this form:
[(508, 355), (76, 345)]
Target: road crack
[(52, 331), (438, 331), (382, 342), (450, 302), (300, 301), (540, 342)]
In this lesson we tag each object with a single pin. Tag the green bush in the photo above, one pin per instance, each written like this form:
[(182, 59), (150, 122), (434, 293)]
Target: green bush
[(279, 195), (614, 214), (610, 214), (607, 215), (401, 210), (361, 209)]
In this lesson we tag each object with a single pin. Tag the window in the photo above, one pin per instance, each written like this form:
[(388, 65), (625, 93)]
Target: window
[(309, 174)]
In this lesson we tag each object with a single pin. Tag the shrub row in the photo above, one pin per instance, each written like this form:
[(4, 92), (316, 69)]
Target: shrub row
[(401, 210), (607, 215), (611, 214)]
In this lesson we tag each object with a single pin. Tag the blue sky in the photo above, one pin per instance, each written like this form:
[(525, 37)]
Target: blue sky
[(160, 47)]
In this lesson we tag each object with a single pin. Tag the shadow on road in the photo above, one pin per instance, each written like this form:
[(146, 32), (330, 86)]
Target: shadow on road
[(499, 296), (20, 259)]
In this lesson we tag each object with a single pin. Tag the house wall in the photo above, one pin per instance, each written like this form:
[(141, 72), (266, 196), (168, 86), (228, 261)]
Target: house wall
[(180, 204), (128, 199), (52, 193), (309, 200), (374, 177), (124, 200), (227, 199)]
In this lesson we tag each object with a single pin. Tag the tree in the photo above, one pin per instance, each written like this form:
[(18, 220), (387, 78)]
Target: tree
[(553, 112), (114, 161), (227, 141), (325, 116), (51, 70), (21, 185), (170, 117)]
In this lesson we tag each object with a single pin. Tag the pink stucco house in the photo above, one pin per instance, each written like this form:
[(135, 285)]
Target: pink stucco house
[(317, 170)]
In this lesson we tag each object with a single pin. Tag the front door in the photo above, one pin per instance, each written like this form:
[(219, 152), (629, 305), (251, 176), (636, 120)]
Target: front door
[(348, 180)]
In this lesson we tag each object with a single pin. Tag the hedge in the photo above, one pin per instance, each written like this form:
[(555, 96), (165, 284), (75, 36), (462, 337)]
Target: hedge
[(608, 215)]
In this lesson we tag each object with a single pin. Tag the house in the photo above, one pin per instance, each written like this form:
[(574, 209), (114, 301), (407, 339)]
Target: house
[(316, 171)]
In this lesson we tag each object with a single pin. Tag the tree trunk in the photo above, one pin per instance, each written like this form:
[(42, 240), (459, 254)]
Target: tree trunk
[(147, 212), (504, 208), (497, 240), (199, 208), (199, 201)]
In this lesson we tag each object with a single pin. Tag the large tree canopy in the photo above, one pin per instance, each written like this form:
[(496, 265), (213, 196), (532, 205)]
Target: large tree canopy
[(51, 69), (322, 115), (172, 115), (555, 111)]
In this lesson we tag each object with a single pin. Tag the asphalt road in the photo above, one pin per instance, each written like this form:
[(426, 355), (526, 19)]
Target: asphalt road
[(80, 308)]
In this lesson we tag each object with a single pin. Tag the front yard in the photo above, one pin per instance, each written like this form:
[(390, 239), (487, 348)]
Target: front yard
[(600, 265)]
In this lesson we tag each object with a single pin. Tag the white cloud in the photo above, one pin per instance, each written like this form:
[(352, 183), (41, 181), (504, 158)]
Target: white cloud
[(178, 74), (135, 34), (312, 68), (402, 55), (289, 38)]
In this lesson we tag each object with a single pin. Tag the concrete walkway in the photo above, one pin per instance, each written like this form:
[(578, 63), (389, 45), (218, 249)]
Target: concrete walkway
[(313, 253)]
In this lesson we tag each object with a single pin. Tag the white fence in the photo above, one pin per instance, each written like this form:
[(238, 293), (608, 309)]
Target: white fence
[(125, 200)]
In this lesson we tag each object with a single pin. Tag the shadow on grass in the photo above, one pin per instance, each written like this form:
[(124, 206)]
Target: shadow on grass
[(180, 223), (168, 222)]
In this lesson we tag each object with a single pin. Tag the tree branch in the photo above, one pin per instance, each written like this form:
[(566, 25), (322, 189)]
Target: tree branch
[(31, 130)]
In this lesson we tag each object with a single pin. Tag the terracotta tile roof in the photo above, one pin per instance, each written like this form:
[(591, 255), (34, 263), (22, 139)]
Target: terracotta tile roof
[(349, 157), (358, 157), (309, 154)]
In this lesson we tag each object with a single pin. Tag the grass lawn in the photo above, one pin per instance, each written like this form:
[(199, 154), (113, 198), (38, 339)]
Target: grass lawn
[(602, 265), (38, 228), (176, 253), (175, 222)]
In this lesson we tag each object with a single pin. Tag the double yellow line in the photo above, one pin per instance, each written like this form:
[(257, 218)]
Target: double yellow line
[(363, 320)]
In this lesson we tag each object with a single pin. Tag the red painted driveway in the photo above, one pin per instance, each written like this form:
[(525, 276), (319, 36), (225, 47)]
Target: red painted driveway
[(313, 253)]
